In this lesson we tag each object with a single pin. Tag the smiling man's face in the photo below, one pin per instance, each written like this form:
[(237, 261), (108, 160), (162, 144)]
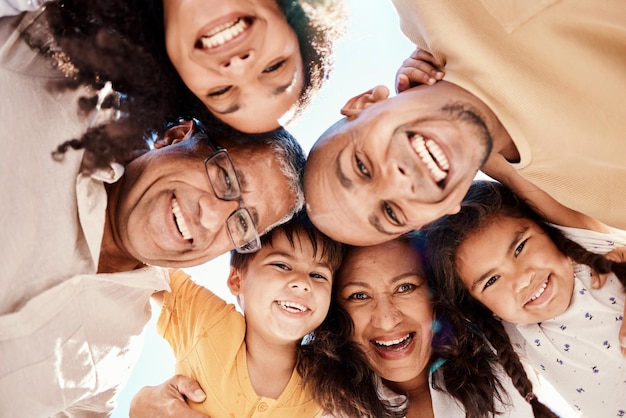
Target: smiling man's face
[(167, 214), (396, 165)]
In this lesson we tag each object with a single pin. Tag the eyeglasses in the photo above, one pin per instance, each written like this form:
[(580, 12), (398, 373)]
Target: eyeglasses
[(225, 184)]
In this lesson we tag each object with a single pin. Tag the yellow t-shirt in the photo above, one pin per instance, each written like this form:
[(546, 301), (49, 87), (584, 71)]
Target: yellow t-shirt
[(207, 336)]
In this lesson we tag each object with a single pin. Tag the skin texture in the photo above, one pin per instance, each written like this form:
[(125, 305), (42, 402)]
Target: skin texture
[(259, 71), (141, 223), (364, 180), (507, 262), (384, 291), (279, 273)]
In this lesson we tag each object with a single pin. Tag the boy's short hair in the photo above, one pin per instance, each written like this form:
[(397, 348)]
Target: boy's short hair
[(331, 250)]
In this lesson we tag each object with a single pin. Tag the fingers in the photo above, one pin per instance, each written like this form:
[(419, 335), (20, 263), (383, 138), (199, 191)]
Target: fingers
[(189, 388), (420, 68), (167, 400), (598, 280)]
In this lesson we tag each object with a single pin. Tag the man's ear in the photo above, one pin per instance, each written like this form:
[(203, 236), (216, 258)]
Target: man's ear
[(354, 106), (182, 131), (234, 281)]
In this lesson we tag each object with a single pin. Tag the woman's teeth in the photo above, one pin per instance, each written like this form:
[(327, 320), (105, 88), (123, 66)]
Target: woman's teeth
[(432, 156), (224, 33), (392, 343), (180, 220)]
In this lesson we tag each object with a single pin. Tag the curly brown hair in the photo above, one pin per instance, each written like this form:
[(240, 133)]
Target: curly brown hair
[(123, 42)]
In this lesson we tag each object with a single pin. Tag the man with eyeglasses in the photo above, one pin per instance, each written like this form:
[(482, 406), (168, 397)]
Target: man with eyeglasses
[(81, 249)]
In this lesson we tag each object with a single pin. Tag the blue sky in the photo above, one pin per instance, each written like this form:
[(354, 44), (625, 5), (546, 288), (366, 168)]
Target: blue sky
[(368, 55)]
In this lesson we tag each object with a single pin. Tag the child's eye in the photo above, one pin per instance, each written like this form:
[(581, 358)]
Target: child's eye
[(274, 67), (318, 276), (491, 281), (281, 266), (520, 247), (220, 92)]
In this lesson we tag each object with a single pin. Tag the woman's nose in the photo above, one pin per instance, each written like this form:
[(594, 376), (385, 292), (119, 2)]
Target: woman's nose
[(239, 63), (386, 315)]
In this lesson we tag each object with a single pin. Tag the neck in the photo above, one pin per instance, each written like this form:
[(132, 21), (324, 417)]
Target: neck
[(270, 366), (418, 392)]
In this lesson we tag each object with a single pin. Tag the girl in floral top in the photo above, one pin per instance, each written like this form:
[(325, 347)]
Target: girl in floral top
[(529, 287)]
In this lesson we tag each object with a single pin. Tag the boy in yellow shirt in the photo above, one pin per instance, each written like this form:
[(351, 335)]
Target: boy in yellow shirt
[(247, 364)]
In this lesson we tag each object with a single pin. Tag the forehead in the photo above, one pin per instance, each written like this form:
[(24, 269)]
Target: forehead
[(380, 263)]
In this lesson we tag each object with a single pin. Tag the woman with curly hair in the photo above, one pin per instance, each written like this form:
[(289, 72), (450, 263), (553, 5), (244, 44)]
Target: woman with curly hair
[(248, 64), (394, 351), (528, 286)]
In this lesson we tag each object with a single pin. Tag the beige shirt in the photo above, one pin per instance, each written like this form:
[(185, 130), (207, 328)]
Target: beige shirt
[(554, 72)]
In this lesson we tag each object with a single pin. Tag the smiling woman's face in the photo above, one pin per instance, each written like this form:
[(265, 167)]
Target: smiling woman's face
[(239, 57), (384, 291)]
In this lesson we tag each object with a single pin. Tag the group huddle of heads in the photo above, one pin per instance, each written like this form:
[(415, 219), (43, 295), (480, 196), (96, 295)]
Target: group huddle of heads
[(152, 60)]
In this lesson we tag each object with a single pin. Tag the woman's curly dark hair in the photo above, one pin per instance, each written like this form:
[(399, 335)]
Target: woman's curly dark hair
[(338, 372), (123, 42), (484, 201)]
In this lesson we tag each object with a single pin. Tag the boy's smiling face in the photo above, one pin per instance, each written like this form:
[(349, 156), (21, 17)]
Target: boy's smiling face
[(284, 291)]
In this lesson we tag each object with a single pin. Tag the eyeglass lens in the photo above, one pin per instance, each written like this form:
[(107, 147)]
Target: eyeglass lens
[(225, 184)]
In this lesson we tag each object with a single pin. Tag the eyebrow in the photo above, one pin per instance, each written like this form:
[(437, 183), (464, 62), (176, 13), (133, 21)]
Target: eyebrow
[(518, 235), (236, 106), (345, 181)]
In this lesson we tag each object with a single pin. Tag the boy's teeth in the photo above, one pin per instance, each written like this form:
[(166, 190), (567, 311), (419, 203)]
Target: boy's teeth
[(224, 33), (540, 291), (432, 156), (292, 306), (180, 220)]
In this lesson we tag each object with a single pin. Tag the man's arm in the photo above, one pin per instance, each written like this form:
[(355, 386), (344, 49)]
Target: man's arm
[(168, 400)]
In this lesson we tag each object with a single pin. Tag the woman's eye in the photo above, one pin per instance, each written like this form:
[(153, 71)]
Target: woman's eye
[(520, 247), (357, 296), (491, 281), (220, 92), (390, 213), (406, 287), (274, 67), (361, 167)]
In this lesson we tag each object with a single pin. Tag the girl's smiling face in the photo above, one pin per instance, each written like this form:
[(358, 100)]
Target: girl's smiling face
[(513, 267)]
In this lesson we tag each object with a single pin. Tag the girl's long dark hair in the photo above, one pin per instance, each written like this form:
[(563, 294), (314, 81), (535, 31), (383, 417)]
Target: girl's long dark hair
[(484, 201)]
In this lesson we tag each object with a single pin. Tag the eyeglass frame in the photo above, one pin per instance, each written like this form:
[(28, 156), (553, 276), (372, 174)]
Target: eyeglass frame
[(219, 150)]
